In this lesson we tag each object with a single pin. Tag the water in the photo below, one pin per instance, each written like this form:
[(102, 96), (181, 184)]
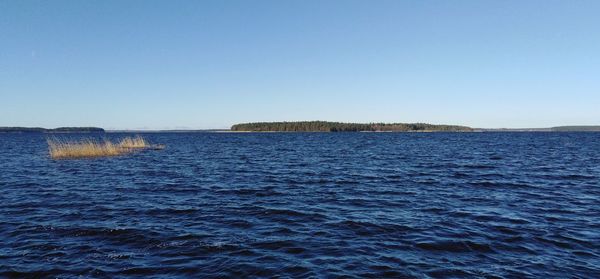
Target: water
[(487, 205)]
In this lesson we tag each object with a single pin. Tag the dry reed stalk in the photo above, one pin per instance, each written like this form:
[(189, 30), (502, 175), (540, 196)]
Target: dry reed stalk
[(135, 142), (61, 149)]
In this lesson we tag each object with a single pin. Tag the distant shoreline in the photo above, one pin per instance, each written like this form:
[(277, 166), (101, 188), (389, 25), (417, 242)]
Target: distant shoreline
[(66, 130), (54, 130), (327, 126)]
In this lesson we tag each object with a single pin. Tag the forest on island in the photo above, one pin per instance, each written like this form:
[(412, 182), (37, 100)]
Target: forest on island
[(325, 126), (55, 130)]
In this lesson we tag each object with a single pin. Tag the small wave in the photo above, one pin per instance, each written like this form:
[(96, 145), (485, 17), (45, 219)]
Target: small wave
[(276, 244), (559, 244), (251, 192), (478, 167), (450, 273), (455, 246), (171, 211), (370, 229), (500, 184), (272, 212)]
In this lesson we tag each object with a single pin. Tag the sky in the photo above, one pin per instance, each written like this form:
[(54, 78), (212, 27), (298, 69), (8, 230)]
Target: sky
[(210, 64)]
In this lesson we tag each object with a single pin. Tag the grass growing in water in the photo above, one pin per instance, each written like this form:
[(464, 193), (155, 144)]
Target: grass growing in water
[(136, 142), (62, 149)]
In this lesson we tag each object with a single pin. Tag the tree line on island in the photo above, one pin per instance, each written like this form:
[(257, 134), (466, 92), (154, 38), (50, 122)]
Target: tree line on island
[(55, 130), (325, 126)]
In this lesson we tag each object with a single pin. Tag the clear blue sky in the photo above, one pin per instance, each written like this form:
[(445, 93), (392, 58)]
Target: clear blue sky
[(210, 64)]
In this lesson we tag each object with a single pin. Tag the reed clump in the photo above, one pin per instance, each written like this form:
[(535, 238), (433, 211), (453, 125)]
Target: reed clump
[(88, 148), (135, 142)]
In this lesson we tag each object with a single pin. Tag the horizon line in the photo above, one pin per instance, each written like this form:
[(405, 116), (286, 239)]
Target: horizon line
[(183, 129)]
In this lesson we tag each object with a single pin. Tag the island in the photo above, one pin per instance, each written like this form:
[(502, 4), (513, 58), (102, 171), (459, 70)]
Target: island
[(326, 126), (55, 130)]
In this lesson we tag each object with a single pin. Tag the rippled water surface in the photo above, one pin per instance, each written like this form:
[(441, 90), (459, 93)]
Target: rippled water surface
[(488, 205)]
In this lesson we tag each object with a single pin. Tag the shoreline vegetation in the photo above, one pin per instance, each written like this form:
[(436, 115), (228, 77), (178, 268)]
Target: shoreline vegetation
[(55, 130), (89, 148), (325, 126), (311, 126)]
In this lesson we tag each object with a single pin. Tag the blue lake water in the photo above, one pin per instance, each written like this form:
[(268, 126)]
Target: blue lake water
[(381, 205)]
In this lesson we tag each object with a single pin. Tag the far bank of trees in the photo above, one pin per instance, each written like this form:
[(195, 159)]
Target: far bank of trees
[(324, 126), (56, 130)]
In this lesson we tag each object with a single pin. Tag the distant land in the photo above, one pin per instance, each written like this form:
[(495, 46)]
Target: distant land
[(169, 131), (312, 126), (325, 126), (576, 129), (55, 130), (552, 129)]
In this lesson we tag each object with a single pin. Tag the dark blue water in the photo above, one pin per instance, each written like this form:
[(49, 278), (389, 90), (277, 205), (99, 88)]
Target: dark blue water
[(439, 205)]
